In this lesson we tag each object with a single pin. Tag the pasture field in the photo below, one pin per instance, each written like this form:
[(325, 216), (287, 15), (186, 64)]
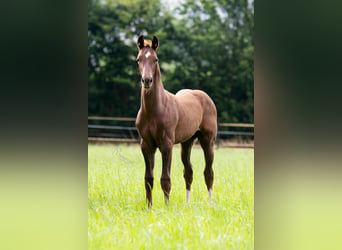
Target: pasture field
[(118, 217)]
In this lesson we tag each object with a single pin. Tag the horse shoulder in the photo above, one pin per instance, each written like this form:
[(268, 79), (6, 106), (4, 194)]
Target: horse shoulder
[(138, 120), (141, 124)]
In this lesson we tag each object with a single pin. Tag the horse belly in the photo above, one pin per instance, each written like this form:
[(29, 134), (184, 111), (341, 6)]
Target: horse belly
[(185, 130), (190, 114)]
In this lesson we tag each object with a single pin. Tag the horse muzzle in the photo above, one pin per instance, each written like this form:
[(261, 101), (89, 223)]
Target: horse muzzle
[(146, 82)]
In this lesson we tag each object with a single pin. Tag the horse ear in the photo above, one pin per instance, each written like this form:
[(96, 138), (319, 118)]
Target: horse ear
[(155, 43), (140, 42)]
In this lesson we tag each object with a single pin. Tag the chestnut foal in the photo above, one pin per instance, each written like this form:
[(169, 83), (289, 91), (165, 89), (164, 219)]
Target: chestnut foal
[(165, 119)]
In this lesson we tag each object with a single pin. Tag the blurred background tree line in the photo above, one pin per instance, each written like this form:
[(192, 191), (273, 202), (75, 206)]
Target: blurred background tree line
[(205, 45)]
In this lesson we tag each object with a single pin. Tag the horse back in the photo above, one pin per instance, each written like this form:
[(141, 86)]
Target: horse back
[(183, 91), (198, 100)]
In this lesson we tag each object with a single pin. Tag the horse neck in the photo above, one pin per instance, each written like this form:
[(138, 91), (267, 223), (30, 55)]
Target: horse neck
[(153, 99)]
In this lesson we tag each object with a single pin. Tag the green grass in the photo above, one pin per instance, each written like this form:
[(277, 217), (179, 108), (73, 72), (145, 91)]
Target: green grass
[(118, 217)]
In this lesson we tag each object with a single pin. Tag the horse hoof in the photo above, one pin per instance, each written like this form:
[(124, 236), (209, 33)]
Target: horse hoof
[(210, 194), (187, 196)]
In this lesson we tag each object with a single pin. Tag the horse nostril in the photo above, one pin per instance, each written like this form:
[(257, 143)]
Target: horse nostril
[(142, 80)]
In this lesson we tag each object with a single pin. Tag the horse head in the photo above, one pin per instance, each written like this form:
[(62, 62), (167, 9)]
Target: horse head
[(147, 59)]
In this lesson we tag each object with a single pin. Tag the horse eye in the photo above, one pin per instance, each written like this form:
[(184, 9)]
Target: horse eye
[(156, 60), (137, 60)]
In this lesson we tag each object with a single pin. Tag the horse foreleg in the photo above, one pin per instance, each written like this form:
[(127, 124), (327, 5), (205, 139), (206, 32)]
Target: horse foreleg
[(148, 152), (165, 179)]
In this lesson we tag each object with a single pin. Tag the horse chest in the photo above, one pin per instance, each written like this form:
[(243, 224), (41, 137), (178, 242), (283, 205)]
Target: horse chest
[(155, 129)]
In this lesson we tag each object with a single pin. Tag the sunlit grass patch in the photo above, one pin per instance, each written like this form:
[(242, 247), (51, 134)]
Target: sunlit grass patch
[(118, 217)]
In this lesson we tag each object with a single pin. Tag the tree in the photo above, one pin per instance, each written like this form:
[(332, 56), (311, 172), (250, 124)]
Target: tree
[(204, 45)]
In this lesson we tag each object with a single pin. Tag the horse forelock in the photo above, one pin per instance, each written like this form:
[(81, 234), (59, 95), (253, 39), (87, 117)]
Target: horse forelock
[(148, 43)]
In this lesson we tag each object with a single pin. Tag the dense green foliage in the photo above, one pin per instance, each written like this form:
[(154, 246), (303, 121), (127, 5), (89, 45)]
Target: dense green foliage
[(118, 217), (204, 45)]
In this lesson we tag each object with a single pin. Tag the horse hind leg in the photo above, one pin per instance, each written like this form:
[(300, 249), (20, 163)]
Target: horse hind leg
[(188, 172), (207, 144)]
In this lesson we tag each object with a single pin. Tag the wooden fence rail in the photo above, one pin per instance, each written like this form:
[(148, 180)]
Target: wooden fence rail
[(129, 134)]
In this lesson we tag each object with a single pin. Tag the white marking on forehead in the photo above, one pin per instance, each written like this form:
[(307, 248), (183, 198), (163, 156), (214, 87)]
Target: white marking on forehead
[(147, 54)]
